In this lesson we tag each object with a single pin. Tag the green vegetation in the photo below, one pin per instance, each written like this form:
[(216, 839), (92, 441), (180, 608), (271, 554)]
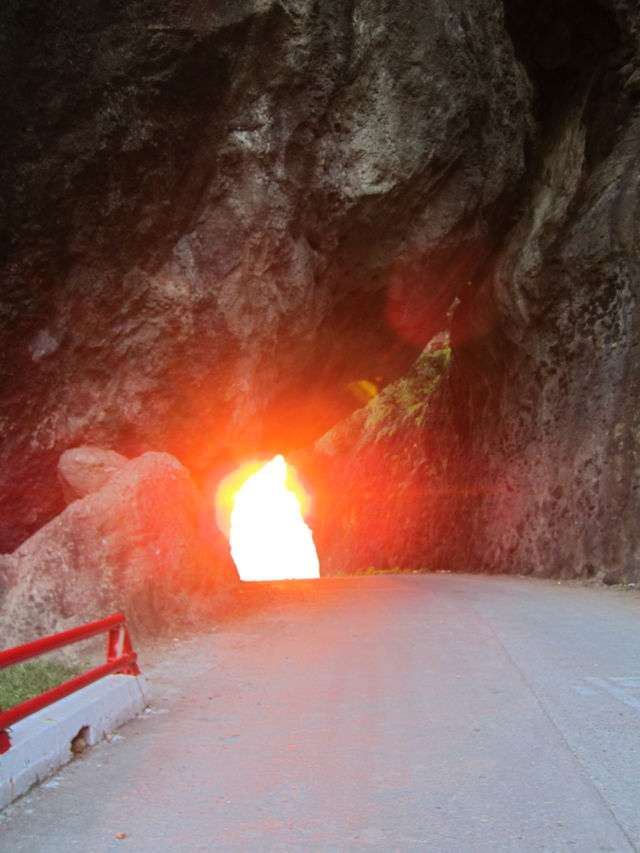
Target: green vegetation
[(404, 402), (26, 680)]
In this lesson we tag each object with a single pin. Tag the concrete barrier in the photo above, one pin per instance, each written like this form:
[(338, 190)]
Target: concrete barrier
[(41, 743)]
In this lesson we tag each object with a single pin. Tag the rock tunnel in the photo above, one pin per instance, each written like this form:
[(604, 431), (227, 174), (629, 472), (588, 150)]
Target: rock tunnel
[(221, 222)]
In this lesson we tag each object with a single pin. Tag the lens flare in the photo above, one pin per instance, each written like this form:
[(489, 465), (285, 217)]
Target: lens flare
[(268, 536)]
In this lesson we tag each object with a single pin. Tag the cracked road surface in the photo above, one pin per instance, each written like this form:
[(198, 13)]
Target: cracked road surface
[(441, 713)]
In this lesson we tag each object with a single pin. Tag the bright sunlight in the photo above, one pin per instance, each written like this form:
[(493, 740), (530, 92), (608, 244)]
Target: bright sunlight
[(268, 536)]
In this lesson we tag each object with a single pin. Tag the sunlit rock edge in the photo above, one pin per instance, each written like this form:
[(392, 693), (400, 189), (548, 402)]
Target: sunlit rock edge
[(145, 542)]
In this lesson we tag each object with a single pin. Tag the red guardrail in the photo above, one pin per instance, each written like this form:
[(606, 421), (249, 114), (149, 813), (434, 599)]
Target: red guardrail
[(120, 658)]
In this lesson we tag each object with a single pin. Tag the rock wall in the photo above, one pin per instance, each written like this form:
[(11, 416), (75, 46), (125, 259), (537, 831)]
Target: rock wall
[(216, 216), (546, 374), (376, 479), (219, 219), (527, 458)]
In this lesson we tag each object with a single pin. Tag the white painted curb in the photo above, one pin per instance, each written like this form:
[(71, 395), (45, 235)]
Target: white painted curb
[(41, 743)]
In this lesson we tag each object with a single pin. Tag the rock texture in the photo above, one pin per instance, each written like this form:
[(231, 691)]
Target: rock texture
[(374, 481), (216, 216), (83, 470), (143, 543), (527, 459), (544, 385), (222, 222)]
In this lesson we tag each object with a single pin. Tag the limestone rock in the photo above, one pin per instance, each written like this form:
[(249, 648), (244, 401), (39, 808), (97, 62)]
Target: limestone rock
[(83, 470), (526, 459), (216, 217), (144, 544), (218, 220), (544, 423), (369, 478)]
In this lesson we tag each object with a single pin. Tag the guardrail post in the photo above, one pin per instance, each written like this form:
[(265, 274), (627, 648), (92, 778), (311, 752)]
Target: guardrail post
[(118, 645), (5, 743)]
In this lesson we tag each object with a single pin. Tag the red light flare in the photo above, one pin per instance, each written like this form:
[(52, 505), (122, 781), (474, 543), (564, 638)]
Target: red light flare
[(422, 290)]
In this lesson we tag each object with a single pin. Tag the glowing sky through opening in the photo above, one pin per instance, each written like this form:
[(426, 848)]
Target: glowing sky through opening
[(268, 536)]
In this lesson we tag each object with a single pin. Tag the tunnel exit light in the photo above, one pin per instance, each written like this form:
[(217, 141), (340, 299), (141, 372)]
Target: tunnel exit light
[(268, 536)]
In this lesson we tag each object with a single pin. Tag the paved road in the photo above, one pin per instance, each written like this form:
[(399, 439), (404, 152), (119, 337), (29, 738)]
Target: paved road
[(434, 713)]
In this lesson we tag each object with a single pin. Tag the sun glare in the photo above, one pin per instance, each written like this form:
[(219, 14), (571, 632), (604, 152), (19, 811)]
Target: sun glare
[(268, 536)]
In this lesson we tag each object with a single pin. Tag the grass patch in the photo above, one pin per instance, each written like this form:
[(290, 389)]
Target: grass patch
[(26, 680)]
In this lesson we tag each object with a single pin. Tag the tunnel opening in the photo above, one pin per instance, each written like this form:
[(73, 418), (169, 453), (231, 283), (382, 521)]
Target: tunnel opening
[(261, 508)]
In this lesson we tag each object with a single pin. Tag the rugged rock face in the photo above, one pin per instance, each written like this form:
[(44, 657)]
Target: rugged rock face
[(219, 219), (215, 216), (544, 383), (527, 458), (374, 481), (145, 543)]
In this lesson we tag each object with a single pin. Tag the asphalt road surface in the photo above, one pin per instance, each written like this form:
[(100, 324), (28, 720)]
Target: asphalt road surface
[(441, 713)]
